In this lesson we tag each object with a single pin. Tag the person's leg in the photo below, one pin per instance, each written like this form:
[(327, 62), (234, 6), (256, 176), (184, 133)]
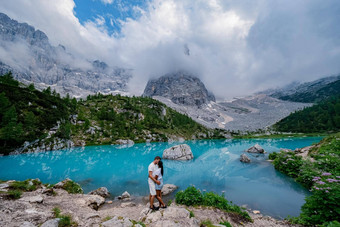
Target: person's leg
[(157, 194), (151, 201), (152, 193), (159, 198)]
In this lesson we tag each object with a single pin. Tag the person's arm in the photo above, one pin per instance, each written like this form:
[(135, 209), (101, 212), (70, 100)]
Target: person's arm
[(153, 178)]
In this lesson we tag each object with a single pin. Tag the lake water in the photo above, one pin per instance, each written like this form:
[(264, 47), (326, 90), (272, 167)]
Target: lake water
[(215, 167)]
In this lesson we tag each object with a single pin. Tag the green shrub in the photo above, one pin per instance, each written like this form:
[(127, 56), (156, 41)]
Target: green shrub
[(14, 194), (73, 188), (323, 205), (134, 223), (321, 176), (207, 223), (192, 215), (332, 224), (288, 163), (190, 197), (56, 211), (272, 156), (65, 220), (194, 197), (23, 185)]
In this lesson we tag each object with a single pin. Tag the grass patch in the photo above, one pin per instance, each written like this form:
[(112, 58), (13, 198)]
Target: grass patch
[(107, 218), (65, 220), (14, 194), (134, 223), (194, 197), (72, 187), (27, 185), (207, 223), (192, 215), (227, 224), (170, 201)]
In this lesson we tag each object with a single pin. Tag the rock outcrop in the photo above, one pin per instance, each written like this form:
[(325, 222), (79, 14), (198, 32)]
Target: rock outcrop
[(178, 152), (168, 189), (102, 191), (181, 88), (172, 216), (117, 222), (24, 212), (255, 149), (244, 158)]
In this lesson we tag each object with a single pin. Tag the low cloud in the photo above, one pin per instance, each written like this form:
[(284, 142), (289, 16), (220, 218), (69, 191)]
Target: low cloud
[(236, 47)]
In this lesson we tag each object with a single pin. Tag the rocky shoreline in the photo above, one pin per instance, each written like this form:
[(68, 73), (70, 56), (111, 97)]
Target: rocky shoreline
[(38, 208)]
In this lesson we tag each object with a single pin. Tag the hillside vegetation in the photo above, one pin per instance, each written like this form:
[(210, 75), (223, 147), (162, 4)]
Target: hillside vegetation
[(316, 93), (322, 117), (319, 172), (27, 114)]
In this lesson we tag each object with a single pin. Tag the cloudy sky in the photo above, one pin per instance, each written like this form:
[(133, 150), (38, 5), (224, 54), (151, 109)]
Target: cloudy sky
[(235, 47)]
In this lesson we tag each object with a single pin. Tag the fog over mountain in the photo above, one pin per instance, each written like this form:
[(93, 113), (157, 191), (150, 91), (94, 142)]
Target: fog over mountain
[(27, 53), (235, 47)]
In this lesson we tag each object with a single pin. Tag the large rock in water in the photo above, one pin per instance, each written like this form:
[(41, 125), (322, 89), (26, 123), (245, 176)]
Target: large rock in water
[(178, 152), (181, 88), (244, 158), (255, 149)]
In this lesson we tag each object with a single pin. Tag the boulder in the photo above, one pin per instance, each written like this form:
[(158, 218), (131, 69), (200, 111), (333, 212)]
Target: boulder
[(255, 149), (125, 142), (61, 184), (172, 216), (103, 192), (4, 187), (94, 201), (26, 224), (117, 222), (244, 158), (178, 152), (168, 188), (125, 196), (33, 199), (51, 223), (128, 204)]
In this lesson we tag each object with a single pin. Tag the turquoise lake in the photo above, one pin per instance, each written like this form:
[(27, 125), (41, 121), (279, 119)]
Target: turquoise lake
[(215, 167)]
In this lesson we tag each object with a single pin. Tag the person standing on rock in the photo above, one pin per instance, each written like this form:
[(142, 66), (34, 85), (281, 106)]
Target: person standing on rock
[(153, 181), (159, 176)]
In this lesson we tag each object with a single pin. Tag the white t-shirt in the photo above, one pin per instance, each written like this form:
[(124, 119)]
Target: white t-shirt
[(158, 173), (152, 167)]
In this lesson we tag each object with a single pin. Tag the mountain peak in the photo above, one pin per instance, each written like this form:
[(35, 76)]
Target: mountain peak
[(181, 88)]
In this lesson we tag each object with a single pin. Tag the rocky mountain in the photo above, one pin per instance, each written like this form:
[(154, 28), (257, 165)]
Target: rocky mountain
[(27, 53), (181, 88), (314, 91), (244, 114)]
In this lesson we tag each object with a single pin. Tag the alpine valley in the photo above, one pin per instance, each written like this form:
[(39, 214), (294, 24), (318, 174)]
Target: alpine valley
[(274, 152)]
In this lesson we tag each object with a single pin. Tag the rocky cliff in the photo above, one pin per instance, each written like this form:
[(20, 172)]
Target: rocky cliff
[(181, 88), (28, 54), (313, 91)]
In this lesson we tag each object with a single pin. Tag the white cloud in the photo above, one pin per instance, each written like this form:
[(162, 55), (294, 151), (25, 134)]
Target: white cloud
[(236, 47), (107, 1)]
